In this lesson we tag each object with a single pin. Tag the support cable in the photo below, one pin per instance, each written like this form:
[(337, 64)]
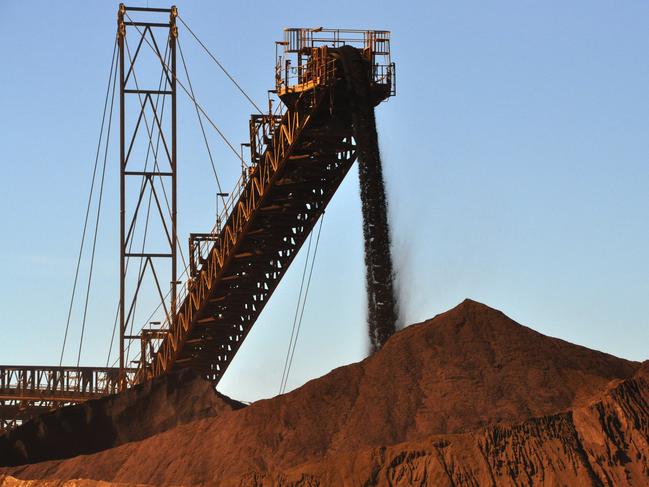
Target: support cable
[(94, 241), (207, 117), (199, 109), (150, 136), (139, 271), (146, 165), (145, 322), (200, 121), (297, 311), (306, 293), (112, 338), (185, 272), (220, 65), (155, 151), (92, 186)]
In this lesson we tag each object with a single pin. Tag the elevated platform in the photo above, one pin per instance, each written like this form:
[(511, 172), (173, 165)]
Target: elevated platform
[(28, 390), (307, 59)]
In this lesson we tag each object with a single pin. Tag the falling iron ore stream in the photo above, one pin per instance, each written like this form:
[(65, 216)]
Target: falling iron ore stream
[(379, 275)]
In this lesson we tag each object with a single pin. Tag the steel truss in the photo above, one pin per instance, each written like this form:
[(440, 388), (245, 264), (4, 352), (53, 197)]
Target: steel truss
[(26, 391), (298, 161), (161, 175)]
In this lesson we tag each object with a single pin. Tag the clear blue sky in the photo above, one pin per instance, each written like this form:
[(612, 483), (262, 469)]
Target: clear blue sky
[(515, 156)]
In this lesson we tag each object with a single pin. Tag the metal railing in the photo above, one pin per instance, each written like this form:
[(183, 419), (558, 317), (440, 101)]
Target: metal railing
[(385, 74), (304, 57), (315, 72), (298, 39), (58, 382)]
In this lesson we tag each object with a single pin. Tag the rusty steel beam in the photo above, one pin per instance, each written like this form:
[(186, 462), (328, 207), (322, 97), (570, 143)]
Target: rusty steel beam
[(28, 390), (136, 99), (299, 158)]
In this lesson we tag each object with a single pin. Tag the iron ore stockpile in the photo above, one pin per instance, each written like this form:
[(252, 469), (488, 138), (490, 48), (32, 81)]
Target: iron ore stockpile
[(379, 274), (468, 398)]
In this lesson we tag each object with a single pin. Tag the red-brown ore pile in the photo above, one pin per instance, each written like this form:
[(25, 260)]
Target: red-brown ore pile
[(142, 411), (467, 398)]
